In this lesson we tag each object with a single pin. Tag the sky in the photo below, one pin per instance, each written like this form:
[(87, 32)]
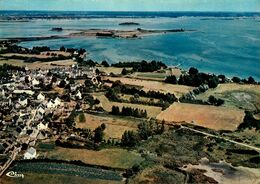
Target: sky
[(133, 5)]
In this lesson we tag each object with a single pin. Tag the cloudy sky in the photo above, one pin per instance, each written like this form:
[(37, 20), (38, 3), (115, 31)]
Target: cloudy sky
[(132, 5)]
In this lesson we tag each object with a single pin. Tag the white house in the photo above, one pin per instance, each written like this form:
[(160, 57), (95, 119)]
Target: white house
[(79, 95), (30, 153), (35, 82), (41, 97), (51, 104), (42, 126), (57, 102)]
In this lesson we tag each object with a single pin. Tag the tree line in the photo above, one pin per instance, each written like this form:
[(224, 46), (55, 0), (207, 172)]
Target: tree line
[(142, 66), (128, 111)]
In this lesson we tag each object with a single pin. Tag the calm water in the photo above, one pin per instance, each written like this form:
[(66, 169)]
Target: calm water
[(220, 45)]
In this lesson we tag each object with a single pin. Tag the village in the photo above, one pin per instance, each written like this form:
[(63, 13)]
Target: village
[(28, 108)]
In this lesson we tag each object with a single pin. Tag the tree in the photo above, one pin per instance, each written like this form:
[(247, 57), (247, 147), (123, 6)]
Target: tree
[(103, 126), (129, 139), (124, 71), (236, 79), (82, 117), (105, 63), (62, 84), (98, 134), (251, 80), (115, 110), (193, 71), (62, 49), (171, 79), (213, 82)]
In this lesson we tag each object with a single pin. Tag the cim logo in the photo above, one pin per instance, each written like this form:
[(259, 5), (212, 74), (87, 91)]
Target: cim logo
[(13, 174)]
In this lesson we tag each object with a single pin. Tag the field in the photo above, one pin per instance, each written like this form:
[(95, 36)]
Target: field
[(42, 55), (109, 70), (218, 118), (119, 158), (245, 96), (36, 65), (159, 76), (147, 85), (152, 111), (115, 127), (53, 179)]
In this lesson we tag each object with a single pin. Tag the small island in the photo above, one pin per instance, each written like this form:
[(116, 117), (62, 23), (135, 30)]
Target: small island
[(56, 29), (128, 24)]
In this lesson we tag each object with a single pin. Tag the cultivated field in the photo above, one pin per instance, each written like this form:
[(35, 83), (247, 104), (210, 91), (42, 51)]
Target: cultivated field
[(53, 179), (218, 118), (147, 85), (115, 127), (152, 111), (109, 70), (241, 96), (119, 158)]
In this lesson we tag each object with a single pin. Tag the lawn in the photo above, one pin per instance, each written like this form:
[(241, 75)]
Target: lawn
[(218, 118), (115, 127), (116, 157)]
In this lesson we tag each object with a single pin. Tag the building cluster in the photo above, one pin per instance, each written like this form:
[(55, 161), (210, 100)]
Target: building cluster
[(35, 104)]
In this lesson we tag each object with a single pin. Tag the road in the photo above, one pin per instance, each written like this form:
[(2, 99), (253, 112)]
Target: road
[(223, 138)]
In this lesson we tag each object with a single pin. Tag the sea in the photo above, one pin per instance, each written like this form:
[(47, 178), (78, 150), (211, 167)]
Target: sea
[(218, 42)]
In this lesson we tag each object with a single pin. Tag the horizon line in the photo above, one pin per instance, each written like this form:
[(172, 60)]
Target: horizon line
[(140, 11)]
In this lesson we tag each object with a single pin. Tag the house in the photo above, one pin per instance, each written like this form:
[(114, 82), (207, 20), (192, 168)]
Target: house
[(35, 82), (42, 126), (51, 104), (57, 102), (41, 97), (30, 153), (79, 95), (23, 101)]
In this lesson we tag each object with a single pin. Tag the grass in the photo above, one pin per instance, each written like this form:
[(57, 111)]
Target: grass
[(244, 96), (218, 118), (115, 126), (147, 85), (152, 111), (116, 157)]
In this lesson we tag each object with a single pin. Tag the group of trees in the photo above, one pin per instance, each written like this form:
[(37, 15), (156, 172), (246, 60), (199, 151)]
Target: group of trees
[(249, 122), (142, 66), (250, 80), (128, 111), (194, 78), (215, 101), (145, 130)]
